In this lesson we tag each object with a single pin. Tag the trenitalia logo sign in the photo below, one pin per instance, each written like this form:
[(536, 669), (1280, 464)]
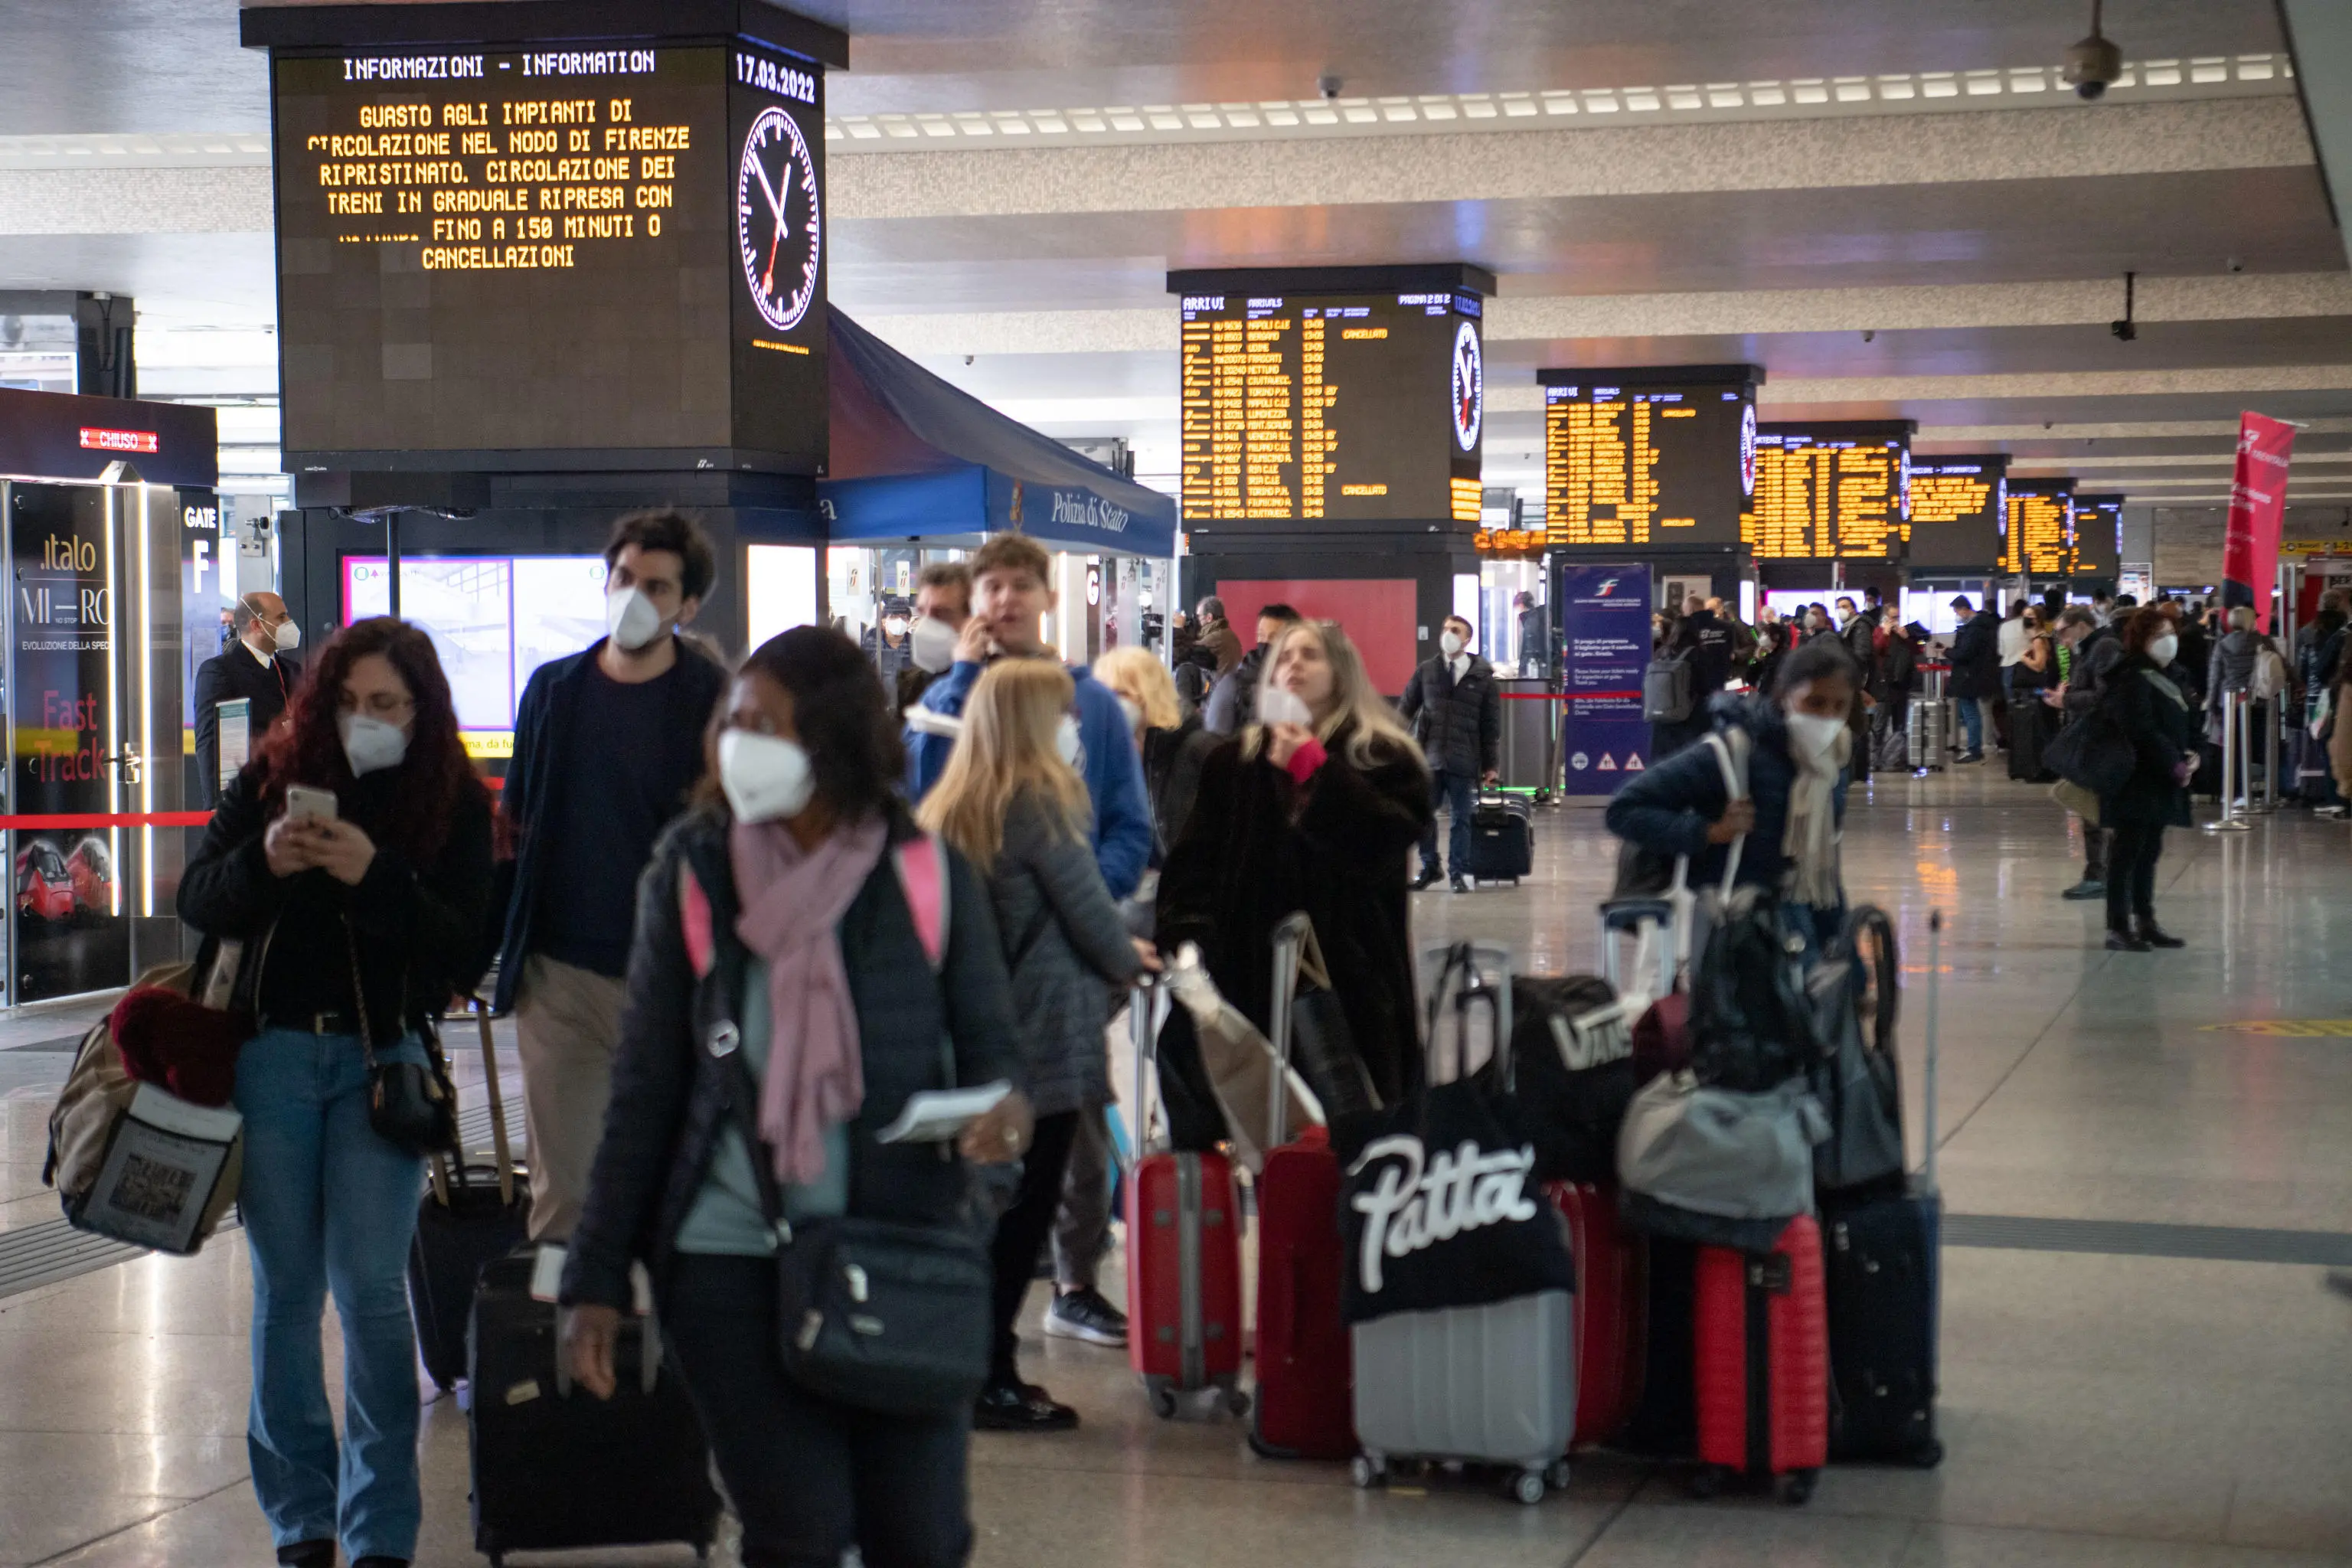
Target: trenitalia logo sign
[(95, 439), (1076, 509)]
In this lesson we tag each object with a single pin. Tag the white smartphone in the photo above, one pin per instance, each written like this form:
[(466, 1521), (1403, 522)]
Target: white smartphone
[(303, 803)]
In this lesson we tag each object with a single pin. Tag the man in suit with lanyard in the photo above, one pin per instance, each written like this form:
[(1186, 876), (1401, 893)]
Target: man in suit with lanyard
[(254, 667)]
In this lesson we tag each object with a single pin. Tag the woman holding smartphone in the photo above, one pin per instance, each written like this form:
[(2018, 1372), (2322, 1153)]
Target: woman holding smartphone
[(356, 927)]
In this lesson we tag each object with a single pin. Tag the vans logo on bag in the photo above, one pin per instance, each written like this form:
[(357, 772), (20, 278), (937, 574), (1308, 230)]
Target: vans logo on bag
[(1422, 1200), (1599, 1037)]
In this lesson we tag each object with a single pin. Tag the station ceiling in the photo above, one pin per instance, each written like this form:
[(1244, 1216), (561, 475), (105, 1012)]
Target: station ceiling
[(1898, 210)]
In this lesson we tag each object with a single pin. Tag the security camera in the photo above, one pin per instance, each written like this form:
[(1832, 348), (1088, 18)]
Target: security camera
[(2125, 329), (2234, 264), (1329, 85), (2093, 63)]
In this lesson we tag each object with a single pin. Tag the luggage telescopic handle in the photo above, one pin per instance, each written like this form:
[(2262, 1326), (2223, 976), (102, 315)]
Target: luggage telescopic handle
[(1290, 944), (1928, 1083), (1141, 1004), (498, 1137)]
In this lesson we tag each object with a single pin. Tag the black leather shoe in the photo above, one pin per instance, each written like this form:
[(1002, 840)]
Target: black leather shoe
[(1460, 884), (1021, 1407), (2088, 888), (307, 1554), (1428, 879), (2154, 935), (2125, 941)]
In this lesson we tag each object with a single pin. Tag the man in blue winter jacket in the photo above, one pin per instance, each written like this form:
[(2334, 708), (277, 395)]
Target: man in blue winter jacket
[(1011, 594)]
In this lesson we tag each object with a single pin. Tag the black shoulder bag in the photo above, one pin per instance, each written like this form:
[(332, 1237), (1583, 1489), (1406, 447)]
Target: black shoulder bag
[(413, 1108), (876, 1314)]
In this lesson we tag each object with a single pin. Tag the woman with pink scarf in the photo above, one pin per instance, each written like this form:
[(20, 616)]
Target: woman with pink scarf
[(796, 923)]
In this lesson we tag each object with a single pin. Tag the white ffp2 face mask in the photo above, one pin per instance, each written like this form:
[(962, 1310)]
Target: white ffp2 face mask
[(1280, 705), (764, 776), (933, 645), (1813, 734), (1067, 745), (2163, 649), (1452, 643), (287, 636), (631, 619), (369, 744)]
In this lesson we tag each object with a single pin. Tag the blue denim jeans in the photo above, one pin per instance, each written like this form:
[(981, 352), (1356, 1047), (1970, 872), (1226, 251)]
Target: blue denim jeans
[(1971, 722), (329, 1205), (1454, 791)]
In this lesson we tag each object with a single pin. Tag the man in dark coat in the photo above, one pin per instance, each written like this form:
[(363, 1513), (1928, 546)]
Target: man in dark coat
[(1231, 702), (2093, 652), (1457, 710), (1706, 639), (254, 667), (1976, 673)]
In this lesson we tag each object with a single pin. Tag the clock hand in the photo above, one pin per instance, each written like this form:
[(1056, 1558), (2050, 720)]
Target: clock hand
[(776, 240), (775, 203)]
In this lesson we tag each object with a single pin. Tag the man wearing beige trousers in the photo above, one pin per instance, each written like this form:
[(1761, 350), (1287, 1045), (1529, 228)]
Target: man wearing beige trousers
[(607, 744)]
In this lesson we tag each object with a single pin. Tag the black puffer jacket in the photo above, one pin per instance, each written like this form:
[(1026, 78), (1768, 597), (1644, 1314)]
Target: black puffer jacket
[(1460, 723), (2160, 722), (669, 1094), (416, 929)]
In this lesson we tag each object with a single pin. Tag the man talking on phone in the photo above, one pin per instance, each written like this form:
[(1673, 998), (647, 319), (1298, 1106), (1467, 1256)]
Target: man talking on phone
[(255, 666), (607, 743)]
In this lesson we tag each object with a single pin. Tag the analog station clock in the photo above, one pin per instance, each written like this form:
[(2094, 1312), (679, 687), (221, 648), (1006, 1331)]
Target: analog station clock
[(1469, 387), (778, 220)]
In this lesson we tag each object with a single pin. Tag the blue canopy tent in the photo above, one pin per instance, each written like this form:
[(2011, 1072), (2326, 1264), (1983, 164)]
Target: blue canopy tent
[(913, 457)]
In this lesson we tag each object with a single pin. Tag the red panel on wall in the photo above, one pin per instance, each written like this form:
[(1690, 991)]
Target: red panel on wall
[(1376, 613)]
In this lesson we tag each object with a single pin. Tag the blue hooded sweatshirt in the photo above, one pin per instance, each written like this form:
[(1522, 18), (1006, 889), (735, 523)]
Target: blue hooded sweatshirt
[(1110, 766)]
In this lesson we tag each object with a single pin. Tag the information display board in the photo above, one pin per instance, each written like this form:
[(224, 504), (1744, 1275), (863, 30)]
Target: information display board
[(1829, 491), (1957, 507), (1364, 407), (1658, 456), (2038, 529), (508, 254), (2098, 536)]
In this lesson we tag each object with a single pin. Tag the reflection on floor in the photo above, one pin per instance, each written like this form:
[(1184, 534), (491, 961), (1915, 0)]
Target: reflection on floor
[(2153, 1401)]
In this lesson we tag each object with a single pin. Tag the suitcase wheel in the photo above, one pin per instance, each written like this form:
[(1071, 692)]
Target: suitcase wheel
[(1236, 1401), (1163, 1398), (1708, 1484), (1367, 1472), (1928, 1455), (1797, 1487), (1557, 1473), (1527, 1487)]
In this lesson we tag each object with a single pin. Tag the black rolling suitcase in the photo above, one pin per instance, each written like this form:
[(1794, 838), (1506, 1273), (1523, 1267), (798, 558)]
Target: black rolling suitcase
[(1502, 840), (471, 1215), (1882, 1250), (557, 1468)]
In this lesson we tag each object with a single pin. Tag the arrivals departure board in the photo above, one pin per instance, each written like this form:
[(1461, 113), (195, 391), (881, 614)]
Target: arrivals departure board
[(2038, 538), (2098, 536), (1645, 457), (1829, 491), (1364, 407), (1956, 510), (552, 249)]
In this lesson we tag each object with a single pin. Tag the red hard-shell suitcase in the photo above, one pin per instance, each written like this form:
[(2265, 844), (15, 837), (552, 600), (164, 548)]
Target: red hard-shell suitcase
[(1306, 1360), (1306, 1367), (1762, 1361), (1612, 1315), (1183, 1261)]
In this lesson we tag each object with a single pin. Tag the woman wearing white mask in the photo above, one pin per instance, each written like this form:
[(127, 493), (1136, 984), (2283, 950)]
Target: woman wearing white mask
[(359, 918), (2144, 705), (1312, 807), (1796, 777), (1012, 802), (801, 941)]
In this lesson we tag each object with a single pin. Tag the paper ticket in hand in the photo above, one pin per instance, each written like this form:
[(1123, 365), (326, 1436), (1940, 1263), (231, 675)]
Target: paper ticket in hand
[(937, 1115)]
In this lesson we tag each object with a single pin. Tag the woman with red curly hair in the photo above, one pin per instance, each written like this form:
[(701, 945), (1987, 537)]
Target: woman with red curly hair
[(364, 921)]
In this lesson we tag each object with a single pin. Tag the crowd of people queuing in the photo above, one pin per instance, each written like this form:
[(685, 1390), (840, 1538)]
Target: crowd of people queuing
[(712, 895)]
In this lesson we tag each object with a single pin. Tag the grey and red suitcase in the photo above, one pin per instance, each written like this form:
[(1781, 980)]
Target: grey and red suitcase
[(1491, 1384)]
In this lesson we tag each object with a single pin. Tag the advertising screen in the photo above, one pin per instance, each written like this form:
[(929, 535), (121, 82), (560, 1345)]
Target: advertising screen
[(617, 249), (1360, 408), (493, 619), (1647, 456), (1829, 491)]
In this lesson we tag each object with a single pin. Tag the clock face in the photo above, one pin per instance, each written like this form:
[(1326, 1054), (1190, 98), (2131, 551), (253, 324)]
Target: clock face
[(779, 225), (1748, 450), (1469, 387)]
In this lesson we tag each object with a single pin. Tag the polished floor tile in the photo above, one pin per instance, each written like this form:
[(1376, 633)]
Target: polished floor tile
[(2100, 1411)]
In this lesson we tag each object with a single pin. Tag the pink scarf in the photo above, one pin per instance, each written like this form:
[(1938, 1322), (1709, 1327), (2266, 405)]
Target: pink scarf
[(792, 898)]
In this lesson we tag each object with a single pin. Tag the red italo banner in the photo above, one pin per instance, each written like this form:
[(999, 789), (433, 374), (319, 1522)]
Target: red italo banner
[(2257, 502)]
